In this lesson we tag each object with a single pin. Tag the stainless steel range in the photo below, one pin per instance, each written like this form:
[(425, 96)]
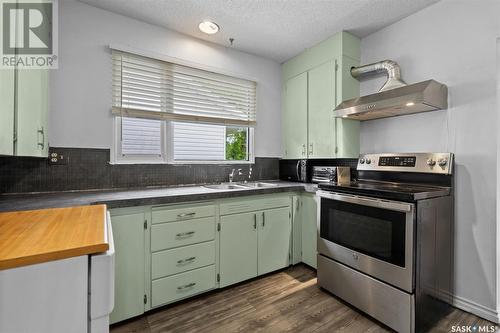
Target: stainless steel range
[(385, 242)]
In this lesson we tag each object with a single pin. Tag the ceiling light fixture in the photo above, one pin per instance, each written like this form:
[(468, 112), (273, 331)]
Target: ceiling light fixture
[(410, 104), (208, 27)]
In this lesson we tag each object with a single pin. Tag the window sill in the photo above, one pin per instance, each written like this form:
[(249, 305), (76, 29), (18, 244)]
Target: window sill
[(182, 162)]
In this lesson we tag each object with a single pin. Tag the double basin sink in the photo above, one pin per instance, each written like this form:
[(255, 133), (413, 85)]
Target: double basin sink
[(240, 186)]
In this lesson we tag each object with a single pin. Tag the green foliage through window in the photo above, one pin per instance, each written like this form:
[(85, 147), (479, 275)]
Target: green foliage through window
[(236, 143)]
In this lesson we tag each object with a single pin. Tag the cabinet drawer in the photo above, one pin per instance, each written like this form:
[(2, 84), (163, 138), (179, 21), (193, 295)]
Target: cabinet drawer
[(253, 204), (182, 259), (181, 213), (182, 285), (169, 235)]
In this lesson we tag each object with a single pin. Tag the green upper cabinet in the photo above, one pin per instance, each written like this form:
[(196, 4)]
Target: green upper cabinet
[(6, 111), (295, 134), (32, 113), (314, 83), (23, 112), (321, 101)]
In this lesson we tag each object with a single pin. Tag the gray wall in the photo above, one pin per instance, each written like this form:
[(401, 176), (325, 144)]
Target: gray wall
[(81, 87), (454, 42), (498, 178)]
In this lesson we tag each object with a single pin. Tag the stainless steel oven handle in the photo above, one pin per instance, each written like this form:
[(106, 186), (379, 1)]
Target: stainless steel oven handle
[(379, 203)]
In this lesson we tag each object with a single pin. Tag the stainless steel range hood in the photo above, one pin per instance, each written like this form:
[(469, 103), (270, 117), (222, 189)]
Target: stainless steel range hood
[(395, 98)]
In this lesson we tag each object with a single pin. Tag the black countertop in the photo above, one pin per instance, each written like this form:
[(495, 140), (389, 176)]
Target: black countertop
[(139, 197)]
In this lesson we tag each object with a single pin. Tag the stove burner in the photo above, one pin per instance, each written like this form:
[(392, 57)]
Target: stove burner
[(387, 190)]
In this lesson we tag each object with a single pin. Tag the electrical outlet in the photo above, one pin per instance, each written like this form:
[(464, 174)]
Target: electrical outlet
[(57, 158)]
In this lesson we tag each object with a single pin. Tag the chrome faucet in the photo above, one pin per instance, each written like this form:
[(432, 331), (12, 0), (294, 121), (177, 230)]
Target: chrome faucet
[(249, 174), (232, 174)]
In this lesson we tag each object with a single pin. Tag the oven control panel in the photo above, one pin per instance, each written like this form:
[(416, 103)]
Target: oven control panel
[(440, 163), (397, 161)]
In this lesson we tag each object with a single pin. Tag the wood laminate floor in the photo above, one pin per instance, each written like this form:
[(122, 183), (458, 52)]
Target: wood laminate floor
[(286, 301)]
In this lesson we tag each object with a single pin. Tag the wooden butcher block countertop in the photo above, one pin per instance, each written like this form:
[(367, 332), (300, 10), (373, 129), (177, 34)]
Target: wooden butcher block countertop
[(37, 236)]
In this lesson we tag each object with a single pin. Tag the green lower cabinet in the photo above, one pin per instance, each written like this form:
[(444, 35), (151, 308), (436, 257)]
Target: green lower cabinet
[(160, 259), (175, 261), (296, 230), (254, 243), (308, 213), (179, 286), (238, 248), (130, 263), (274, 240)]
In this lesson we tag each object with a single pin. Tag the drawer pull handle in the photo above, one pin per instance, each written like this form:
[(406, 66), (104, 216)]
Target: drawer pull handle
[(185, 234), (186, 286), (182, 215), (185, 261)]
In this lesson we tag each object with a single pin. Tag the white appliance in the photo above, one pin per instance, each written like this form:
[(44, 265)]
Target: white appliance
[(60, 296), (102, 285)]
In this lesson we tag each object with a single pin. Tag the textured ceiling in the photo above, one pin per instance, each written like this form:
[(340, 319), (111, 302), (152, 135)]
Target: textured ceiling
[(276, 29)]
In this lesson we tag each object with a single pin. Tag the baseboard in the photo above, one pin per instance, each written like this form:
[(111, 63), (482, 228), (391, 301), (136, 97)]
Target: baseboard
[(475, 308)]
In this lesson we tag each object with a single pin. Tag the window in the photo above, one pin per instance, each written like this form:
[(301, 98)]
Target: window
[(167, 112)]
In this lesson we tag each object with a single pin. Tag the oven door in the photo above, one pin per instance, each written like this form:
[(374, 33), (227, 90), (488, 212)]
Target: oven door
[(371, 235)]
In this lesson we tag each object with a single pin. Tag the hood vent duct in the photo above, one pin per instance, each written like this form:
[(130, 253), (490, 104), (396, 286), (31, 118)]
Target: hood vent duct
[(389, 67), (395, 98)]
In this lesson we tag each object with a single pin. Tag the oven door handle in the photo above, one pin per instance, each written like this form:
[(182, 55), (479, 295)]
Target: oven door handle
[(378, 203)]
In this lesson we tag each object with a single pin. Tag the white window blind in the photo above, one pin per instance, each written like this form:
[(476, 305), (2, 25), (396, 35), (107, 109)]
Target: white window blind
[(153, 89), (140, 136), (199, 141)]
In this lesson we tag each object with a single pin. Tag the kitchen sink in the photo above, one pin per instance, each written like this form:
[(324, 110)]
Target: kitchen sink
[(259, 185), (225, 187)]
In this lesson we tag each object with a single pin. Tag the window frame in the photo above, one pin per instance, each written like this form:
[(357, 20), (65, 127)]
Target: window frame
[(167, 153), (167, 149)]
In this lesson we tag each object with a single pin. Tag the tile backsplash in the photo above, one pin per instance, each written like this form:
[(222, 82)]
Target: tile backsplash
[(89, 169)]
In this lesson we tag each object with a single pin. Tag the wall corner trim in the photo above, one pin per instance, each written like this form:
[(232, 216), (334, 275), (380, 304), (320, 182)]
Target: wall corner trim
[(477, 309)]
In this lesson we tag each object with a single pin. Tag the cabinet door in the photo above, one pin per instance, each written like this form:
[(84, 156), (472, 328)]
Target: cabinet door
[(128, 234), (32, 107), (6, 111), (295, 117), (296, 229), (321, 102), (347, 130), (238, 248), (275, 231), (308, 213)]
